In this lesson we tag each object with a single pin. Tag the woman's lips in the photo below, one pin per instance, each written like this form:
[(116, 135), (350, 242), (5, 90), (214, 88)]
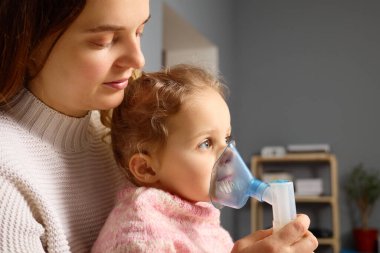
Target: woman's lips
[(118, 85)]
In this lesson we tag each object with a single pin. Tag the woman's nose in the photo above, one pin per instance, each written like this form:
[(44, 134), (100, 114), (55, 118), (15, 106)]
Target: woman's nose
[(131, 55)]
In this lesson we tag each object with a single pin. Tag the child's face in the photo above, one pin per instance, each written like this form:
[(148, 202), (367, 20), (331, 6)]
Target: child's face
[(197, 135)]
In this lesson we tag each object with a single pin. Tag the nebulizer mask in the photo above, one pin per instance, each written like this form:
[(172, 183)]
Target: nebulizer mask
[(232, 184)]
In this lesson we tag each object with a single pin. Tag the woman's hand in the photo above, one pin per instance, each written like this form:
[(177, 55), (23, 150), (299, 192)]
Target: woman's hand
[(292, 238)]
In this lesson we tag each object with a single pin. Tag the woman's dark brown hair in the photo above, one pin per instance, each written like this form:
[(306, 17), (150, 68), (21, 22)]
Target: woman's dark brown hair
[(24, 25)]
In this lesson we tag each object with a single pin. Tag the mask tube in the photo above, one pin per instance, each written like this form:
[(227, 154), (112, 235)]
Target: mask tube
[(232, 184)]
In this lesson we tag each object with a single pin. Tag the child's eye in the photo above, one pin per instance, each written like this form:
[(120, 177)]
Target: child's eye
[(139, 34), (140, 31), (206, 144)]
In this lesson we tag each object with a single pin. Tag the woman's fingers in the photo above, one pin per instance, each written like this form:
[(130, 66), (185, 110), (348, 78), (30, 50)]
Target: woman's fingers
[(293, 231), (292, 238), (261, 234), (308, 243), (247, 242), (296, 235)]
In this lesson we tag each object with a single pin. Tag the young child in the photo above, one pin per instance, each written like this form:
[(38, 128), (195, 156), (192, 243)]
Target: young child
[(166, 136)]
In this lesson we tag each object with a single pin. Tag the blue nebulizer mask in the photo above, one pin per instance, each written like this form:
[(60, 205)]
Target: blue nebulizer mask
[(232, 184)]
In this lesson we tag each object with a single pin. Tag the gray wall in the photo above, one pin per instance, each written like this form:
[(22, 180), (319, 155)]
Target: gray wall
[(299, 72), (152, 41)]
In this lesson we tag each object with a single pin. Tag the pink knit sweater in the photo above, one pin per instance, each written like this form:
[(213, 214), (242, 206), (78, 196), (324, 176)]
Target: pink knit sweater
[(151, 220)]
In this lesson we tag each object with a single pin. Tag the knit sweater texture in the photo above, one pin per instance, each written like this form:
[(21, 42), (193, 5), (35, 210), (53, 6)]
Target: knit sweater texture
[(58, 179), (151, 220)]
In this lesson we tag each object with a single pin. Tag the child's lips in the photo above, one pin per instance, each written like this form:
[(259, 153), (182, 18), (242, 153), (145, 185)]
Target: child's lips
[(224, 177), (118, 84)]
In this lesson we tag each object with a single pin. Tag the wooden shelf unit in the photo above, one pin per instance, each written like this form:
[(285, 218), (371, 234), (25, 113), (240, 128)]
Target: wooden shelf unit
[(257, 211)]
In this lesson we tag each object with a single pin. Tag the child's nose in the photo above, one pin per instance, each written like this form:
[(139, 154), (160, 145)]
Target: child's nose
[(226, 156)]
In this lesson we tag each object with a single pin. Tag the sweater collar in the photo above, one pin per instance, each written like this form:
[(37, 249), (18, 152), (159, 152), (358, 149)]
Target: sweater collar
[(156, 200), (68, 134)]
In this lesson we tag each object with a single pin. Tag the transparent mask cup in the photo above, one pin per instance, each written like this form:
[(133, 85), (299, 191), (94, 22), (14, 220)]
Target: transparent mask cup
[(232, 184)]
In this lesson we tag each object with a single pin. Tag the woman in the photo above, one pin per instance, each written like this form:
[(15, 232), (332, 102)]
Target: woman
[(60, 61)]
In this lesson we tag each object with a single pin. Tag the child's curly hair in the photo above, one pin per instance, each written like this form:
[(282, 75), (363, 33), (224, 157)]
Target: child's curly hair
[(139, 123)]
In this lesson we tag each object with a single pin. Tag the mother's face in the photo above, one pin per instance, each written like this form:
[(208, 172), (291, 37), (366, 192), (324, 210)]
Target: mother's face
[(89, 66)]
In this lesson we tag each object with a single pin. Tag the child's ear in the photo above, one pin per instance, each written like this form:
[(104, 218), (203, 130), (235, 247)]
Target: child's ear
[(140, 165)]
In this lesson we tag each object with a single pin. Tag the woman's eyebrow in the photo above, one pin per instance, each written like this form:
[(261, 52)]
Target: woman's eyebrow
[(110, 27), (105, 28)]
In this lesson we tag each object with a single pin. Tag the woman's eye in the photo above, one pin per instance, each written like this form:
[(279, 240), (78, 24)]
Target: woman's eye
[(228, 139), (105, 42), (206, 144), (102, 45)]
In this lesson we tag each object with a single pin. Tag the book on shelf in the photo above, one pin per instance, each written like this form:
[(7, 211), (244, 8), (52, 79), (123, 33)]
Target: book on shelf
[(308, 148), (309, 187)]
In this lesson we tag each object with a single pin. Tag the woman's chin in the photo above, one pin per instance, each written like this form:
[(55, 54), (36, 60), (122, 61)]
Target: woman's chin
[(111, 102)]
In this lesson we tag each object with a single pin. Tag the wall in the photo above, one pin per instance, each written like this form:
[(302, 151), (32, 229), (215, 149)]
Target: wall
[(299, 72), (309, 73), (152, 41)]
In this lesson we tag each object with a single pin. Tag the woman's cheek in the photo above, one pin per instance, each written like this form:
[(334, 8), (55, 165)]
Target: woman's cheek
[(94, 69), (96, 57)]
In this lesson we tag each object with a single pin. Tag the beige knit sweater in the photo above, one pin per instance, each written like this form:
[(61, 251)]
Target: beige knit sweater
[(58, 179)]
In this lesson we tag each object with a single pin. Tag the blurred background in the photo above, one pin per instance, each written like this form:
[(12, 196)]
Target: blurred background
[(299, 72)]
